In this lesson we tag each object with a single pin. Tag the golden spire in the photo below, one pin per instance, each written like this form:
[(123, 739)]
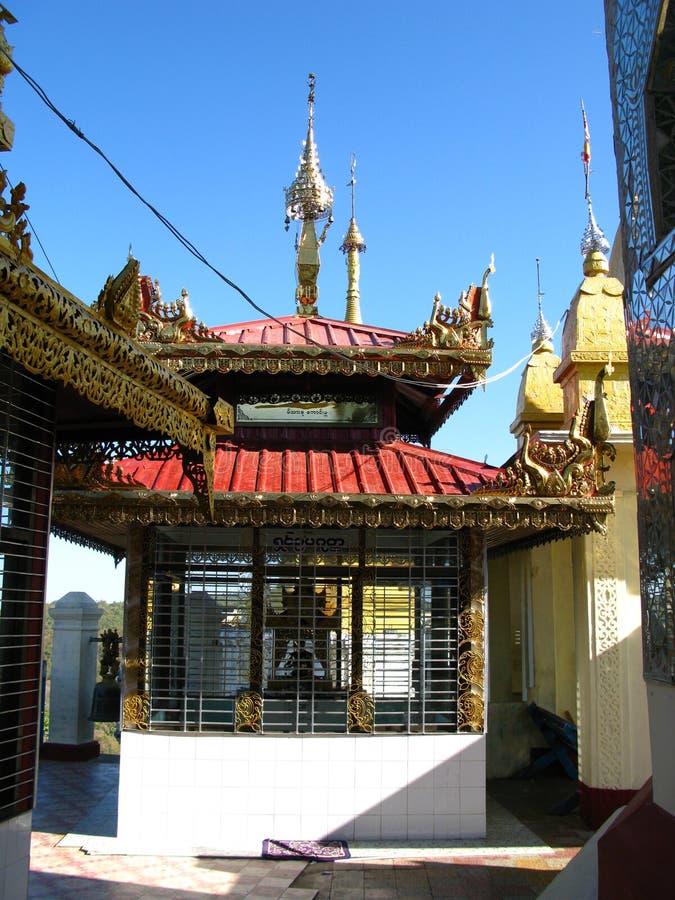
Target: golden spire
[(540, 400), (594, 244), (352, 246), (309, 199)]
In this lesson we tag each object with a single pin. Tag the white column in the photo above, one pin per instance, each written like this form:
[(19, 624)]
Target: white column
[(613, 724), (76, 617)]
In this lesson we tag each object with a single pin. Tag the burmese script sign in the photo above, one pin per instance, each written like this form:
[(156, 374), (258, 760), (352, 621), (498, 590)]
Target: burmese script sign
[(326, 411)]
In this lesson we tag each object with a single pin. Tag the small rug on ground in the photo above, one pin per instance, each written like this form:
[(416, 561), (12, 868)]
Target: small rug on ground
[(326, 850)]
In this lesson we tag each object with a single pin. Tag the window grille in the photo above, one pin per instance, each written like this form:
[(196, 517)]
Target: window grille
[(26, 448), (200, 631), (304, 617), (660, 118)]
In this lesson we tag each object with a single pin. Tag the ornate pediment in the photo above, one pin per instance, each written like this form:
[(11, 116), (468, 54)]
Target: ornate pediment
[(120, 299)]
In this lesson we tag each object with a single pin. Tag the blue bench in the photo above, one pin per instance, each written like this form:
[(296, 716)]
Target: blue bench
[(561, 736)]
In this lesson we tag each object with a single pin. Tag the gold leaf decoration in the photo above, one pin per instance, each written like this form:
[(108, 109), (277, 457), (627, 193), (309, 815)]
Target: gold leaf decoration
[(248, 712), (360, 713)]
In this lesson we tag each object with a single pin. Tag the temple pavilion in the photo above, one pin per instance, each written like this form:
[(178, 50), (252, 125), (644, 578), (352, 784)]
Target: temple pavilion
[(305, 611)]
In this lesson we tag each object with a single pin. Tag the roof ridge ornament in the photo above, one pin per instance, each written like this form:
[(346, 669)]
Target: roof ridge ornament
[(309, 199), (594, 244), (463, 327), (168, 323)]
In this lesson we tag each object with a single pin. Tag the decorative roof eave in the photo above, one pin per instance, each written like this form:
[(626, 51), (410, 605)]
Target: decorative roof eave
[(424, 363), (506, 517), (70, 333), (52, 334), (89, 543)]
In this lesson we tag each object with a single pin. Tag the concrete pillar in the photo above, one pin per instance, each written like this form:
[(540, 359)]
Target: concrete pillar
[(76, 617)]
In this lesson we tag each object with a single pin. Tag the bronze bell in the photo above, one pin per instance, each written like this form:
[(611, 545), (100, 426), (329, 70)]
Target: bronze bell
[(105, 704)]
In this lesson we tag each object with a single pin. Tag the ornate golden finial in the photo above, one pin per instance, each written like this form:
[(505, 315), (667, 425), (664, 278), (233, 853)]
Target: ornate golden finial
[(352, 246), (594, 244), (6, 124), (308, 200), (485, 306)]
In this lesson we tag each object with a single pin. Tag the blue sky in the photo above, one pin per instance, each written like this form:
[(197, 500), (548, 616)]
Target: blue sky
[(464, 119)]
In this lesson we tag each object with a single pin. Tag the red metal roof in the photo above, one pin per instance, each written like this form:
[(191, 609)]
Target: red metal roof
[(396, 468), (299, 331)]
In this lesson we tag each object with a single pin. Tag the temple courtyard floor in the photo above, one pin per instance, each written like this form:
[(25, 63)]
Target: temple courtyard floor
[(74, 851)]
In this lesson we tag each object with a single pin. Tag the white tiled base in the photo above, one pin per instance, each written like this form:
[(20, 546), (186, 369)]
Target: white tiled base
[(222, 793), (15, 856)]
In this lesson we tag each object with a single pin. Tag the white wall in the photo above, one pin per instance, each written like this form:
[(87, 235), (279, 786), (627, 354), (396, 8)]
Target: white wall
[(661, 726), (15, 856), (228, 793)]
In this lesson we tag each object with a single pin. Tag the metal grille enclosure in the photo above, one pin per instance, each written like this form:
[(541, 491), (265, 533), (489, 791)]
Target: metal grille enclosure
[(306, 619), (26, 448)]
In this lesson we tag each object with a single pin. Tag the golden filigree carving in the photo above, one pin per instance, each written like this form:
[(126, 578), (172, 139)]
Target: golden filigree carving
[(120, 299), (13, 223), (136, 710), (56, 357), (248, 710), (464, 326), (224, 416), (168, 323), (198, 469), (471, 711), (472, 624), (256, 661), (567, 515), (470, 668), (598, 356), (52, 334), (471, 634), (360, 713), (572, 468), (248, 359), (136, 667)]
